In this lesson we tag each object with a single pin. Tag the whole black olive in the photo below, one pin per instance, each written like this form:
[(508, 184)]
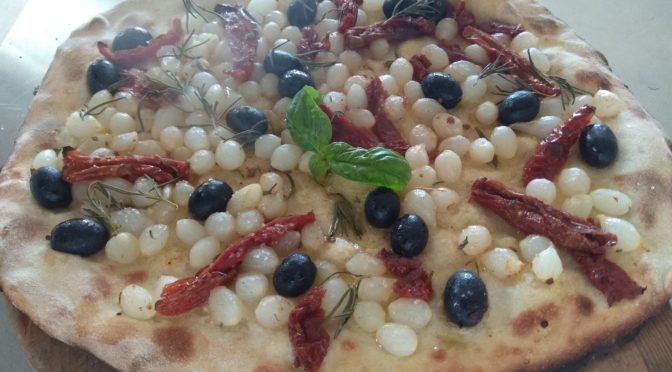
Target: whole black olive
[(292, 81), (598, 145), (443, 88), (409, 235), (294, 276), (49, 189), (248, 120), (80, 236), (301, 13), (100, 75), (278, 62), (381, 207), (465, 298), (131, 38), (519, 107), (209, 197)]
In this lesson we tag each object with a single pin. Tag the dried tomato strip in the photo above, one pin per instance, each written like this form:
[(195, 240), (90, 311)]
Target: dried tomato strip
[(152, 94), (349, 15), (142, 54), (516, 64), (392, 30), (78, 167), (552, 152), (384, 127), (344, 131), (531, 216), (309, 339), (465, 18), (455, 53), (412, 280), (608, 277), (420, 64), (188, 293), (310, 43), (243, 36)]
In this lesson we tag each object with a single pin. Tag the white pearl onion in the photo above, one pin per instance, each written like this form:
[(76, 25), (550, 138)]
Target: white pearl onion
[(461, 69), (365, 264), (448, 166), (271, 32), (182, 193), (336, 76), (505, 141), (229, 155), (153, 239), (416, 156), (481, 151), (202, 161), (196, 138), (122, 122), (361, 118), (457, 144), (325, 269), (356, 98), (502, 262), (446, 29), (189, 231), (286, 157), (46, 158), (446, 125), (130, 220), (539, 127), (573, 181), (248, 221), (413, 91), (397, 339), (607, 104), (531, 245), (171, 138), (473, 89), (123, 248), (523, 41), (537, 57), (486, 113), (221, 226), (272, 206), (395, 107), (437, 57), (288, 243), (422, 134), (375, 288), (611, 202), (389, 84), (278, 17), (547, 265), (475, 239), (424, 176), (379, 48), (353, 60), (203, 252), (335, 288), (82, 127), (163, 281), (265, 145), (628, 236), (584, 99), (369, 316), (225, 307), (246, 198), (477, 54), (251, 287), (541, 189), (137, 303), (336, 101), (444, 199), (419, 202), (578, 205), (273, 311), (412, 312), (402, 70), (262, 260)]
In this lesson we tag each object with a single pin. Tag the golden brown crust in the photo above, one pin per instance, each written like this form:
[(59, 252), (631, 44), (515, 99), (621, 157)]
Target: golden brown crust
[(529, 326)]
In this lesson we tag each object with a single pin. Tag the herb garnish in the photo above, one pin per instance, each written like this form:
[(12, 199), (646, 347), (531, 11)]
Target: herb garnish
[(345, 219), (350, 300), (311, 129), (419, 8), (482, 135)]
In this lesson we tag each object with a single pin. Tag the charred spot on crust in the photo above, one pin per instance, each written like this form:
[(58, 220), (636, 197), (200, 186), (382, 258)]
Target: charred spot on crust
[(528, 320), (592, 78), (438, 355), (584, 305), (176, 343), (136, 277), (348, 345), (544, 323)]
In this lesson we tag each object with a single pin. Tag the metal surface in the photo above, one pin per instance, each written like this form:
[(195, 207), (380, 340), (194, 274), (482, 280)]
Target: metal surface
[(633, 35)]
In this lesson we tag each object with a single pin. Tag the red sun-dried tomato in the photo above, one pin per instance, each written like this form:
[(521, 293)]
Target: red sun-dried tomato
[(344, 131), (307, 335), (152, 94), (384, 127), (310, 43), (243, 36), (393, 30), (412, 280), (420, 64), (465, 18)]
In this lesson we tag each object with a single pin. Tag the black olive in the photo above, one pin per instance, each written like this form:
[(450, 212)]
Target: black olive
[(248, 120), (294, 276), (209, 197), (81, 236), (278, 62), (49, 188), (443, 88), (598, 145), (465, 298), (381, 207), (292, 81), (301, 13), (518, 107), (131, 38), (409, 235), (440, 8), (101, 74)]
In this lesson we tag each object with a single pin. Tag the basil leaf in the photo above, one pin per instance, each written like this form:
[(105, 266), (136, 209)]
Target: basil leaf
[(309, 126), (318, 166), (378, 166)]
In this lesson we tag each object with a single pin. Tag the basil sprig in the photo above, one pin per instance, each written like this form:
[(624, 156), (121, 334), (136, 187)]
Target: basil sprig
[(310, 128)]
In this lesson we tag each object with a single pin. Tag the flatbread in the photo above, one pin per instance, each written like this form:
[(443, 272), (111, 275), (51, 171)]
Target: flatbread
[(528, 326)]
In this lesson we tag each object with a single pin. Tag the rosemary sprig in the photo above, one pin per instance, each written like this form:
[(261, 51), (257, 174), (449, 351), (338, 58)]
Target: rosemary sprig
[(85, 110), (494, 67), (349, 298), (345, 219), (482, 135), (567, 90), (310, 64), (420, 8), (192, 10)]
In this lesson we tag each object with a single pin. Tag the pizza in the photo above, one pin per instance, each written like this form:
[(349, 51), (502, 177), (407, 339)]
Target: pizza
[(361, 185)]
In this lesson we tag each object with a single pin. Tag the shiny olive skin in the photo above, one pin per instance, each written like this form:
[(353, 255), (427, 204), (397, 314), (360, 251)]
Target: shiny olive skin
[(278, 62), (443, 88), (292, 81), (301, 13), (295, 275), (598, 145), (465, 298), (209, 197), (131, 38), (409, 235), (80, 236), (101, 74), (440, 6), (49, 189), (518, 107), (382, 207), (248, 120)]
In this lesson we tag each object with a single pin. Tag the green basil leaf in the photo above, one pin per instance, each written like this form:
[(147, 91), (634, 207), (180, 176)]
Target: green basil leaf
[(378, 166), (309, 126), (318, 166)]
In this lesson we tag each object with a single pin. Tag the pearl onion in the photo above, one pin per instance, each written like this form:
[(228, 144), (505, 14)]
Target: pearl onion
[(477, 54), (47, 158), (171, 138), (365, 264), (444, 199), (361, 118), (538, 58), (137, 303), (336, 76), (313, 238), (607, 103), (189, 231), (288, 243), (578, 205), (130, 220), (573, 181), (356, 98), (182, 193), (628, 236), (412, 312), (505, 141), (269, 85), (481, 151), (446, 30), (446, 125), (286, 157), (123, 248), (325, 9), (547, 264), (203, 252), (225, 307), (221, 226), (539, 127), (461, 69), (265, 145), (271, 32), (272, 206), (419, 202), (262, 260), (335, 288), (163, 281), (251, 287), (397, 339), (523, 41), (402, 70), (122, 122), (541, 189), (502, 262), (325, 269), (375, 288), (487, 113), (336, 101), (278, 17), (475, 239), (249, 221), (369, 316), (389, 84), (422, 134), (273, 311), (584, 99), (181, 153), (413, 91), (196, 138), (473, 89), (202, 81), (416, 156), (153, 239), (246, 198), (82, 127), (448, 166), (230, 155), (394, 107), (352, 59), (379, 48), (457, 144), (531, 245), (202, 161), (611, 202), (437, 57), (149, 148)]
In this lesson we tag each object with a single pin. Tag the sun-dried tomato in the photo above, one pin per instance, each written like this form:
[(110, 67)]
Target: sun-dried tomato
[(152, 94), (384, 127), (420, 64), (307, 335), (78, 167), (310, 43), (552, 152), (412, 280), (455, 53), (392, 30), (465, 18), (344, 131), (348, 15), (243, 36), (608, 277), (188, 293), (140, 55)]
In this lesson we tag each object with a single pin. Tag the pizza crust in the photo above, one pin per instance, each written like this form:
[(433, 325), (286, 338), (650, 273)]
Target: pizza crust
[(529, 325)]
